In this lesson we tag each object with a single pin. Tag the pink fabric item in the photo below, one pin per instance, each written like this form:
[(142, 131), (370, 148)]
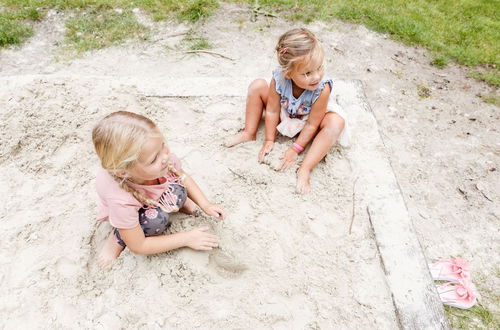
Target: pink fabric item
[(453, 269), (460, 294), (121, 208)]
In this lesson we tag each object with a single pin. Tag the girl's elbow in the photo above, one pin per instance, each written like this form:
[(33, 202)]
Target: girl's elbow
[(138, 249)]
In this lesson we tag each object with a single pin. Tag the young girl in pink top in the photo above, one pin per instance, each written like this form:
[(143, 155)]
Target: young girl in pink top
[(298, 103), (140, 183)]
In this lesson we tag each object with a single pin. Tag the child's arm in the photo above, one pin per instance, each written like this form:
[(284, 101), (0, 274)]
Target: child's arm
[(197, 239), (195, 193), (310, 129), (271, 120)]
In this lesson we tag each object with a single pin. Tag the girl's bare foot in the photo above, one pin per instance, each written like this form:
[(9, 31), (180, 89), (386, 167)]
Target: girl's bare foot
[(189, 207), (303, 180), (109, 252), (239, 138)]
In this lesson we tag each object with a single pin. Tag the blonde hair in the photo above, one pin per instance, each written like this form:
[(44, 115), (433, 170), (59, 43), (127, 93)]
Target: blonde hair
[(118, 140), (297, 45)]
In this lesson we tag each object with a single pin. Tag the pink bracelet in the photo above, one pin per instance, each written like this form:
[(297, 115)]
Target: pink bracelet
[(297, 147)]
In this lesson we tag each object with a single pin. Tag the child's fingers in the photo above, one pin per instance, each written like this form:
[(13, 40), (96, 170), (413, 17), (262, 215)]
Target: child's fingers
[(262, 155), (211, 237), (211, 243), (218, 212), (283, 165), (215, 213), (204, 228)]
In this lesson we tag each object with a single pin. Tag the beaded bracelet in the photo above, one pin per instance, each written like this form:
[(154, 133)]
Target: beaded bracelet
[(297, 147)]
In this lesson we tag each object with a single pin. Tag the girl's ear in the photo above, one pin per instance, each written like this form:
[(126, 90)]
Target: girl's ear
[(122, 174)]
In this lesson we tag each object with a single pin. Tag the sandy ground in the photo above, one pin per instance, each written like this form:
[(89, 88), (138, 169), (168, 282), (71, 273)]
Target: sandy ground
[(285, 261)]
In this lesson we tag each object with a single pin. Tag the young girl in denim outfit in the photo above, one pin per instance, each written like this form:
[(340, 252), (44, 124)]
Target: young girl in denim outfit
[(139, 184), (298, 104)]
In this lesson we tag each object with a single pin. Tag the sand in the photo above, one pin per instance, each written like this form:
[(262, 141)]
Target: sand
[(285, 260)]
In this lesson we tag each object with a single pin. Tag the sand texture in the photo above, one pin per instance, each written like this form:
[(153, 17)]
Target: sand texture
[(285, 261)]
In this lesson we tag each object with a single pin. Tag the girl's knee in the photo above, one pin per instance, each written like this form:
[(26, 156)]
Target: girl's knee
[(334, 124), (257, 86)]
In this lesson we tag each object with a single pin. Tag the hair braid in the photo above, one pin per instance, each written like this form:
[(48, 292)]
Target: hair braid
[(140, 197)]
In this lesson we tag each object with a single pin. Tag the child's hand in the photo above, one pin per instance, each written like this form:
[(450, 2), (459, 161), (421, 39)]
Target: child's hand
[(200, 239), (213, 210), (266, 148), (288, 159)]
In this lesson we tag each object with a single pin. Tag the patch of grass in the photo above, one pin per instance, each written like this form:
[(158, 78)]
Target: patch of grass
[(491, 99), (96, 29), (13, 32), (187, 10), (477, 317), (200, 43), (15, 13), (195, 42), (492, 78), (423, 91), (440, 62), (197, 9)]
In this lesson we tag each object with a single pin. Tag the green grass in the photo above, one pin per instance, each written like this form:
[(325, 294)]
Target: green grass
[(464, 31), (423, 91), (12, 32), (440, 61), (477, 317), (467, 31), (96, 29), (195, 42), (492, 77), (491, 99), (97, 24), (188, 10)]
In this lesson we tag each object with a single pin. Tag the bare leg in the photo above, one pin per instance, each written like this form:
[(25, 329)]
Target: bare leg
[(189, 207), (256, 102), (109, 252), (330, 128)]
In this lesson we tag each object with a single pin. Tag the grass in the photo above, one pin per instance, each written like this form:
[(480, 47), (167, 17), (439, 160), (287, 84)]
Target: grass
[(13, 33), (195, 42), (492, 77), (98, 23), (423, 91), (440, 61), (464, 31), (96, 29), (467, 31), (477, 317), (491, 99)]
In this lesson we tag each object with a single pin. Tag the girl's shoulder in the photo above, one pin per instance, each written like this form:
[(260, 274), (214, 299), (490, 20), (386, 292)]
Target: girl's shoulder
[(108, 189), (317, 92), (281, 84)]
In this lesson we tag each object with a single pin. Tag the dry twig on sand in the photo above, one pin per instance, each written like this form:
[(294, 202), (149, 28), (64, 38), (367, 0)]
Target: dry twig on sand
[(353, 204), (205, 52)]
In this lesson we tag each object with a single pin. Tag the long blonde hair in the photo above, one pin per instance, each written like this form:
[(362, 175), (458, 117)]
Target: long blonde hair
[(297, 45), (118, 140)]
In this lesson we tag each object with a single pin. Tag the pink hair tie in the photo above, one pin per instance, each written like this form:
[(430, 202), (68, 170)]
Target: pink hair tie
[(283, 51), (297, 147)]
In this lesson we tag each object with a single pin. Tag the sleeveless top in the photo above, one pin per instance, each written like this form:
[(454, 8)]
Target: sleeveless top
[(295, 111)]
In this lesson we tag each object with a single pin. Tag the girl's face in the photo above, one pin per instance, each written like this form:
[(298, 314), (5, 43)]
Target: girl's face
[(307, 74), (152, 162)]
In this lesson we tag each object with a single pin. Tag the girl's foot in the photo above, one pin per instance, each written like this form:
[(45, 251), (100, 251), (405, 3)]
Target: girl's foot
[(109, 252), (303, 181), (189, 207), (239, 138)]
